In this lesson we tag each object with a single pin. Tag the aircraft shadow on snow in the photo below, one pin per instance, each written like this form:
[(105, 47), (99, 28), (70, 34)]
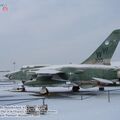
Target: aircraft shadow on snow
[(64, 95)]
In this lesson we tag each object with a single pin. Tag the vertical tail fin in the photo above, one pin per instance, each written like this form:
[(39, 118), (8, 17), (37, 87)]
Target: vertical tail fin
[(105, 51)]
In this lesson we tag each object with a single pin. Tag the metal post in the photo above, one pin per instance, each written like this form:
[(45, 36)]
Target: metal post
[(43, 101), (108, 96), (14, 65), (81, 97)]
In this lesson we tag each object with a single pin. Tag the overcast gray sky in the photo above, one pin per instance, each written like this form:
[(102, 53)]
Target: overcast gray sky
[(55, 31)]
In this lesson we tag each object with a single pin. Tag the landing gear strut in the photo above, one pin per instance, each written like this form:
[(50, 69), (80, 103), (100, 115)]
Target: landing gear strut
[(101, 89), (23, 87), (75, 88)]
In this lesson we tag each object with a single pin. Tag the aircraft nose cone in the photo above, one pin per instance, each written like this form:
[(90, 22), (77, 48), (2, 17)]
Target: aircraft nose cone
[(7, 75)]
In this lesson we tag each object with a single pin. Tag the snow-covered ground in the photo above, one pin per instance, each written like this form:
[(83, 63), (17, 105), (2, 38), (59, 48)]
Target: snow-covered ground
[(86, 105)]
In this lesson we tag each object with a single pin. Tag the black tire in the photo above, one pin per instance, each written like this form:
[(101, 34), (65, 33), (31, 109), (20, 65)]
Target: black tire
[(101, 89), (75, 88), (23, 89), (47, 91)]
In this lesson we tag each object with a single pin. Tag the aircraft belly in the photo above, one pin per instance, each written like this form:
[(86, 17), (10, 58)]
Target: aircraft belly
[(39, 83)]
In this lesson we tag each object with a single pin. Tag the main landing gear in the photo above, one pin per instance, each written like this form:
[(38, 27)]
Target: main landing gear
[(44, 91), (101, 88), (75, 88)]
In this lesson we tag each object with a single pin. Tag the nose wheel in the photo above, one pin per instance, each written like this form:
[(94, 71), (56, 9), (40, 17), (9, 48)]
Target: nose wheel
[(22, 89), (101, 89)]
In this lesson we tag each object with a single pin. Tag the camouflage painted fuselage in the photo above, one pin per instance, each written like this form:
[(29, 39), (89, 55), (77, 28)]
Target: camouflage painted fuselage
[(78, 74)]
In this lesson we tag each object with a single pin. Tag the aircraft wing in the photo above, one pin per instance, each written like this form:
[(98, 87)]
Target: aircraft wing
[(56, 75), (101, 80), (49, 78), (47, 72)]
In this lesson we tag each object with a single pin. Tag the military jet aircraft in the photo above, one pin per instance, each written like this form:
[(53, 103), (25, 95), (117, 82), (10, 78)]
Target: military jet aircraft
[(94, 71), (84, 76)]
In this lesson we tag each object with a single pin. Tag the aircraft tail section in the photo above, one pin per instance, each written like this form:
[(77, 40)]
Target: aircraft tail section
[(105, 51)]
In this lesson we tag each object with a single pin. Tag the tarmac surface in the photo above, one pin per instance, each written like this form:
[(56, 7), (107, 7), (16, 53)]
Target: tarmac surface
[(63, 104)]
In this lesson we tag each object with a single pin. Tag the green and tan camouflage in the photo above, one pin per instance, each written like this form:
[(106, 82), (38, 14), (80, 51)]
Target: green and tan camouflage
[(105, 51)]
